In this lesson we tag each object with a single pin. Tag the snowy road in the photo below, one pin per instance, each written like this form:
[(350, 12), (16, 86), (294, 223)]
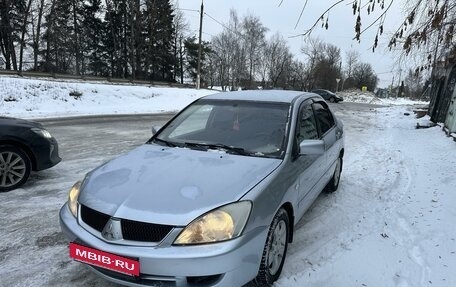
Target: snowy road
[(392, 223)]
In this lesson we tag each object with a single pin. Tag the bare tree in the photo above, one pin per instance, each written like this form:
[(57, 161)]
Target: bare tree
[(23, 33), (7, 32), (238, 70), (413, 84), (313, 52), (36, 30), (222, 46), (277, 58), (253, 35), (364, 75), (428, 27), (296, 76), (351, 59)]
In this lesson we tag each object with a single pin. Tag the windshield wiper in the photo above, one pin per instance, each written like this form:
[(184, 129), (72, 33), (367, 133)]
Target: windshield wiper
[(170, 144), (236, 150)]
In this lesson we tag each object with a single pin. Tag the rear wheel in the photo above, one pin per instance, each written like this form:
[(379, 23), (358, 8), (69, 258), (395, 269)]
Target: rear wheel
[(274, 251), (333, 184), (15, 167)]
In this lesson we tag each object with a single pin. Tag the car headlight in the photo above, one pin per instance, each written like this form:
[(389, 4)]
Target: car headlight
[(73, 198), (224, 223), (42, 132)]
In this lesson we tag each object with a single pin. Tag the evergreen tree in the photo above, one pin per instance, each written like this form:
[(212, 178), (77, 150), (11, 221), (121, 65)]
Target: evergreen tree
[(94, 31), (112, 40), (160, 31), (192, 47), (62, 36)]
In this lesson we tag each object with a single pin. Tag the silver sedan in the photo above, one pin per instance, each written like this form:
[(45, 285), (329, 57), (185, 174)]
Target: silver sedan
[(213, 197)]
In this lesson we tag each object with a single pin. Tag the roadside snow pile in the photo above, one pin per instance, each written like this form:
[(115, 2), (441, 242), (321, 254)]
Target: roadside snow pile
[(27, 98), (360, 97), (370, 98), (425, 122)]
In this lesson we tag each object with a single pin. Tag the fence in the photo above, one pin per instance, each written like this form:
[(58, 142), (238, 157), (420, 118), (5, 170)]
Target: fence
[(91, 79)]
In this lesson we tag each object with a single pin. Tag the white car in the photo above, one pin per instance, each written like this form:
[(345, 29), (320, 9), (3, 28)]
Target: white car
[(213, 197)]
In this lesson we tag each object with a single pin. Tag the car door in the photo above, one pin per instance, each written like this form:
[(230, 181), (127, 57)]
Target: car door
[(328, 133), (309, 166)]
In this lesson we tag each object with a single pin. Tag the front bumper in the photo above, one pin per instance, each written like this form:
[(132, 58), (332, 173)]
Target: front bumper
[(231, 263), (46, 153)]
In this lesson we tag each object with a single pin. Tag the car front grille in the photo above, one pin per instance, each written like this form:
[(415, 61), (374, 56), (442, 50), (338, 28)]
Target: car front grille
[(144, 232), (93, 218), (131, 230)]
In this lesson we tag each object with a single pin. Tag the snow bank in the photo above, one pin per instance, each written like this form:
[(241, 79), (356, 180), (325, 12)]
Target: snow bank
[(27, 98), (370, 98), (42, 98)]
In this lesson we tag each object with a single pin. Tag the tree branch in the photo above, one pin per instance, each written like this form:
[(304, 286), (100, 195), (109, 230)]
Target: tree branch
[(300, 15), (376, 20), (316, 22)]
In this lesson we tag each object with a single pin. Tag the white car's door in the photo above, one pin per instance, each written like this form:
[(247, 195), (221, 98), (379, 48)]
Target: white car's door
[(328, 133), (311, 167)]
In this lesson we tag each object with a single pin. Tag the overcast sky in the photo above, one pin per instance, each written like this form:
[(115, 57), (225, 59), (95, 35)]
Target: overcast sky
[(283, 20)]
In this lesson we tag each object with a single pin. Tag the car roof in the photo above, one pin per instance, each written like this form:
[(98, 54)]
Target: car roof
[(279, 96)]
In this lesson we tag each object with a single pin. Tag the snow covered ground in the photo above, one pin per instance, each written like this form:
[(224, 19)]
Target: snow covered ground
[(355, 96), (28, 98), (390, 224), (392, 221)]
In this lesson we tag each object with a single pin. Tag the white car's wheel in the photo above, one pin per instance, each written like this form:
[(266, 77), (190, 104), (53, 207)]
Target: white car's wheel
[(275, 250), (333, 184)]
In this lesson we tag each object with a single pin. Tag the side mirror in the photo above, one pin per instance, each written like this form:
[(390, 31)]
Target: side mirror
[(312, 147), (155, 129)]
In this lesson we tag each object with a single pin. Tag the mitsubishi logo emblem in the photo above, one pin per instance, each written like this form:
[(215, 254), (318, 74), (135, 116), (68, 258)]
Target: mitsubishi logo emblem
[(112, 230)]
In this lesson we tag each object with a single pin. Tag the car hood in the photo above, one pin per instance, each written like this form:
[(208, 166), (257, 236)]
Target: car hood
[(171, 186), (7, 121)]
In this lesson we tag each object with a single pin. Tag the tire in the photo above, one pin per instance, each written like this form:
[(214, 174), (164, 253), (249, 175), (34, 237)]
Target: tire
[(333, 184), (15, 167), (275, 250)]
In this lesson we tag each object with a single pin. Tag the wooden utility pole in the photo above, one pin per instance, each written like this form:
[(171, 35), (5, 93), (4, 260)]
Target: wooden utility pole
[(198, 73)]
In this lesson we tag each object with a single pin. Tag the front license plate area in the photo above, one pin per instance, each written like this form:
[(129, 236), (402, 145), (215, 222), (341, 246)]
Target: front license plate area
[(103, 259)]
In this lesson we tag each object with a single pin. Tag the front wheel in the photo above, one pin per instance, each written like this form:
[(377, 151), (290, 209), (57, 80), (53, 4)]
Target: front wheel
[(274, 251), (333, 184), (15, 167)]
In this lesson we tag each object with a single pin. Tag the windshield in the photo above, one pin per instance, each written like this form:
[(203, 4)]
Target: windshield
[(241, 127)]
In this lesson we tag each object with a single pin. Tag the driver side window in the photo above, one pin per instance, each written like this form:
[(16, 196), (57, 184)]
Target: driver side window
[(307, 129)]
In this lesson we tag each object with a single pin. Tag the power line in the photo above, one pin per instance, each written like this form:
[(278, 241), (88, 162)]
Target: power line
[(223, 25), (215, 20), (191, 10), (382, 73)]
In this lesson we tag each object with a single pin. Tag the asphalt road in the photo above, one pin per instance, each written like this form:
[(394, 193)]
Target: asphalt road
[(33, 251), (102, 136), (105, 136)]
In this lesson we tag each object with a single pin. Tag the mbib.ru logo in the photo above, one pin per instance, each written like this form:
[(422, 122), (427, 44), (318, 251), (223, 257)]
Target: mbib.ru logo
[(103, 259)]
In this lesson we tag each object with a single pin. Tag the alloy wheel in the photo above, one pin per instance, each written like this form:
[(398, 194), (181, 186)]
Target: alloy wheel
[(277, 249), (337, 173), (12, 169)]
